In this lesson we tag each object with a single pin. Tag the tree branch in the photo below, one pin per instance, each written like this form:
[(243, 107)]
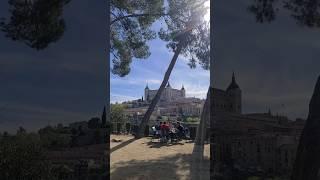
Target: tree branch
[(137, 15), (115, 56)]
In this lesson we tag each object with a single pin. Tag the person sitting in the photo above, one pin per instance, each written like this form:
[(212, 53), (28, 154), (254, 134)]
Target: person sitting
[(187, 132), (158, 130), (180, 129), (172, 133), (163, 131), (154, 131), (167, 128)]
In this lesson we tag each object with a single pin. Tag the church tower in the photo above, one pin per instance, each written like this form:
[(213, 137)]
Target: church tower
[(235, 95), (146, 93)]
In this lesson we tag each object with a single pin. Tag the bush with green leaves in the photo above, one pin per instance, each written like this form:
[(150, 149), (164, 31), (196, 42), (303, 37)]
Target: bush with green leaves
[(22, 157)]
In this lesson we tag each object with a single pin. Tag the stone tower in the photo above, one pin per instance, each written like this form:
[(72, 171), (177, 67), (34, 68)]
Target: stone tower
[(146, 93), (183, 91), (168, 93), (235, 95)]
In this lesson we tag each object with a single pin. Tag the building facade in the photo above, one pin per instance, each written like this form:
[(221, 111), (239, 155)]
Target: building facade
[(228, 100), (257, 143), (169, 94)]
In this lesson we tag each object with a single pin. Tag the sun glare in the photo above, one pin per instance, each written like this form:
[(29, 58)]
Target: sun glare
[(207, 15)]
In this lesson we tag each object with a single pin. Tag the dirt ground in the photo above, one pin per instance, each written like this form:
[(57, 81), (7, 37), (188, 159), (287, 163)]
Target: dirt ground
[(144, 159)]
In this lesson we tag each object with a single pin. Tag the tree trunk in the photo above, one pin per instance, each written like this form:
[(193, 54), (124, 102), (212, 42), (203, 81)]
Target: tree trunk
[(198, 165), (205, 117), (155, 100), (307, 163)]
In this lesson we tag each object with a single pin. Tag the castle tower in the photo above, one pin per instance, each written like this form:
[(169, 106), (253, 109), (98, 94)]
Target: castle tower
[(146, 93), (168, 93), (183, 91), (168, 85), (235, 93)]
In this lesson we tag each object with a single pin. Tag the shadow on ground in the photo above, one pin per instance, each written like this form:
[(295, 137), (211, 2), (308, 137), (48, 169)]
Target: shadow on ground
[(159, 144), (175, 167), (123, 144)]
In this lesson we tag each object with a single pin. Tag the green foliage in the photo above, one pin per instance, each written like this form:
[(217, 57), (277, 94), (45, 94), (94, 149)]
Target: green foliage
[(21, 130), (22, 157), (263, 10), (94, 123), (117, 113), (131, 22), (192, 119), (97, 136), (104, 117), (5, 134), (37, 23), (54, 138), (305, 12), (131, 30), (187, 27)]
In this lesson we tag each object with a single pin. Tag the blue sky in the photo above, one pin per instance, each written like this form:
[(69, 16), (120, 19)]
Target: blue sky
[(151, 71)]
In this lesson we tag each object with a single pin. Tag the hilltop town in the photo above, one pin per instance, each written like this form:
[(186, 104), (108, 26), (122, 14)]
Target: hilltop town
[(173, 106)]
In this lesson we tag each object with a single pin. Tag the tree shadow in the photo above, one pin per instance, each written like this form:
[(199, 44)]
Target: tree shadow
[(198, 163), (123, 144), (160, 144), (171, 167)]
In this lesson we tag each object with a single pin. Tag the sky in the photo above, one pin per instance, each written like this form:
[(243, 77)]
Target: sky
[(61, 84), (276, 64), (151, 71)]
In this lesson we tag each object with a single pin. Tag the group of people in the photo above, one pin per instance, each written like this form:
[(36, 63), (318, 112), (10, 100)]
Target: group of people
[(166, 131)]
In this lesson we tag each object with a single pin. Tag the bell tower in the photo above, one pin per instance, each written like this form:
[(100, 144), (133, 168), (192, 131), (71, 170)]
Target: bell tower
[(146, 93), (235, 94)]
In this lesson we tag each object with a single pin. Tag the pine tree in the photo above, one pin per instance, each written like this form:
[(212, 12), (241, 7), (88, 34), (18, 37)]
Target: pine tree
[(104, 117), (37, 23), (187, 33)]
